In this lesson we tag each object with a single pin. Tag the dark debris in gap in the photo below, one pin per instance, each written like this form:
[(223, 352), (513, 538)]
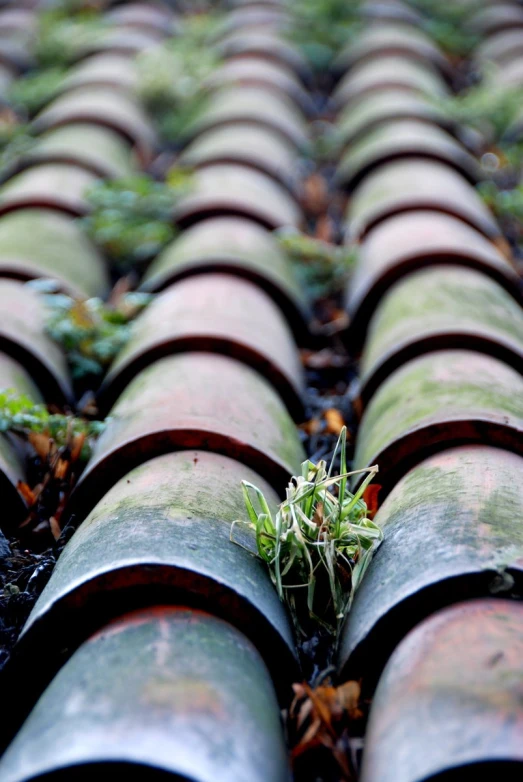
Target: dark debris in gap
[(23, 575)]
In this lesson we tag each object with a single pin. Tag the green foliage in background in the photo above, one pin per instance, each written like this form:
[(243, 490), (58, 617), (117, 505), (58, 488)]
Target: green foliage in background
[(507, 204), (132, 219), (32, 92), (486, 107), (172, 76), (20, 415), (16, 141), (445, 23), (323, 268), (91, 332), (66, 30), (321, 28)]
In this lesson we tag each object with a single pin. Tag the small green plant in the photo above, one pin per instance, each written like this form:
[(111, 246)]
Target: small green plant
[(35, 90), (509, 156), (66, 30), (58, 445), (485, 107), (446, 24), (324, 268), (452, 38), (172, 76), (132, 219), (16, 140), (322, 27), (91, 332), (507, 204), (20, 415), (319, 543), (326, 144)]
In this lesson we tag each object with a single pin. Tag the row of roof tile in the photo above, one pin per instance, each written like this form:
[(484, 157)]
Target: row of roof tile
[(212, 370), (202, 398), (436, 308)]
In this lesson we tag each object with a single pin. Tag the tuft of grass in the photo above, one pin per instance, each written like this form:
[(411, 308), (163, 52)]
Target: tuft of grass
[(323, 268), (320, 541), (91, 332), (131, 219)]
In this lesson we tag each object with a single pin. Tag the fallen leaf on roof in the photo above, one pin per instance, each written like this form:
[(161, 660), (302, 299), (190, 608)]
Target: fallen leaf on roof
[(370, 497), (334, 421)]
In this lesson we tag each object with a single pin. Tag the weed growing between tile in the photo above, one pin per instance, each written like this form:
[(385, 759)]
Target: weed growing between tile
[(507, 204), (322, 27), (35, 90), (319, 544), (172, 77), (317, 554), (92, 332), (317, 547), (59, 445), (66, 28), (131, 220), (445, 22), (323, 268), (25, 418), (16, 140), (484, 107)]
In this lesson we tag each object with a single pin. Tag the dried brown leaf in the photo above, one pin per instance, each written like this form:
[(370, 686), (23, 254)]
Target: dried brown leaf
[(121, 287), (322, 700), (357, 406), (504, 247), (329, 711), (311, 427), (334, 421), (349, 695), (311, 735), (304, 713), (315, 194), (318, 517), (61, 469), (339, 321), (370, 497), (324, 229), (323, 359), (41, 443), (77, 445), (27, 493), (55, 528)]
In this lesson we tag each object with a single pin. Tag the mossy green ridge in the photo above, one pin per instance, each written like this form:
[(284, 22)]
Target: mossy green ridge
[(456, 515), (439, 300), (42, 243), (198, 685), (167, 524), (443, 386)]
